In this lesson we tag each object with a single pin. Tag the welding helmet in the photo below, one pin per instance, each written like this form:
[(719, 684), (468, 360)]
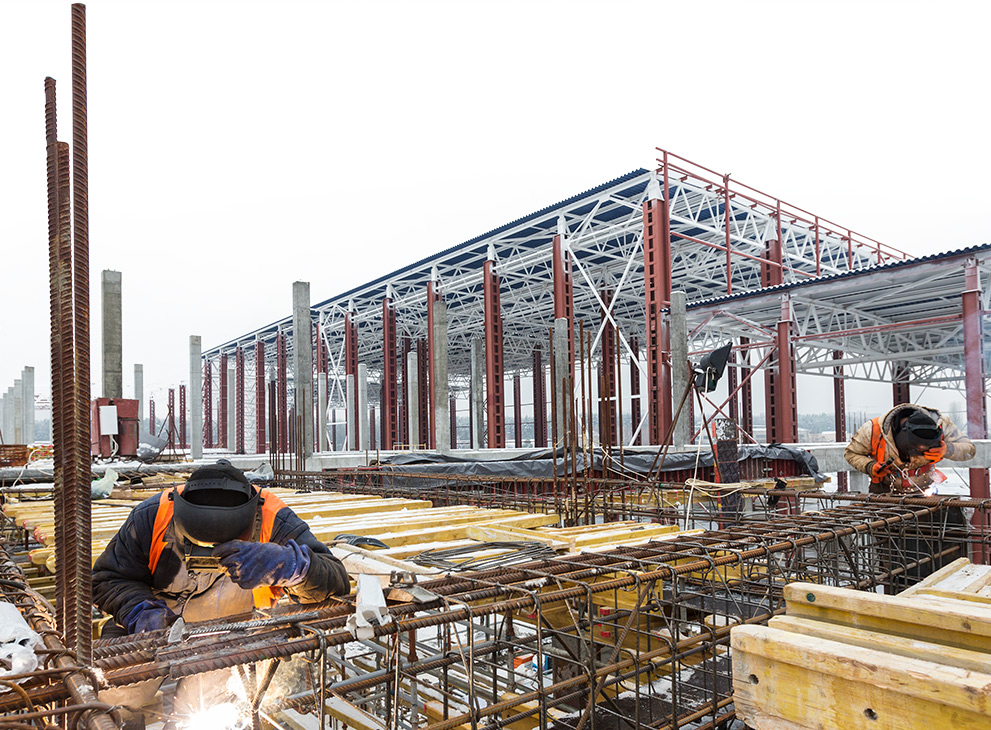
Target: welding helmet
[(218, 504), (917, 433)]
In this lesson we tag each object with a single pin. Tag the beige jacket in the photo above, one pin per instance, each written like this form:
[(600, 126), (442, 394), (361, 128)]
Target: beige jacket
[(860, 456)]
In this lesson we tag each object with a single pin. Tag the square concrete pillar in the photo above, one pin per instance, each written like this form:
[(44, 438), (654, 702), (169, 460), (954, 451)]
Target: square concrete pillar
[(27, 388), (681, 372), (440, 385), (413, 399), (231, 409), (362, 410), (559, 395), (18, 424), (302, 350), (196, 396), (477, 394), (352, 434), (139, 391), (113, 374)]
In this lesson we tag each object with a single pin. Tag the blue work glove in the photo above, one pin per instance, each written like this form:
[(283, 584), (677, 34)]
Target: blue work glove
[(149, 616), (254, 564)]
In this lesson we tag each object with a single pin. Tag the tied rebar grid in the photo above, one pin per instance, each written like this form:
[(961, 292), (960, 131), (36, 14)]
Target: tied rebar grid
[(60, 690), (635, 636)]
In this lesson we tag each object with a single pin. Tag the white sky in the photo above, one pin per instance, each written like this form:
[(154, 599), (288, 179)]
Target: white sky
[(236, 147)]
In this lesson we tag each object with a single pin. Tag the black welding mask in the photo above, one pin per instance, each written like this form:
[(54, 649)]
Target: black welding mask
[(917, 434), (218, 504)]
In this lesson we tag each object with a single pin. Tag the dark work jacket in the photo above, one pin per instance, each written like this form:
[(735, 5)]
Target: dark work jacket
[(122, 579)]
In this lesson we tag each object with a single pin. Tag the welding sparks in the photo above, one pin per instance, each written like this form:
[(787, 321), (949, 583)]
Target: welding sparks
[(225, 716)]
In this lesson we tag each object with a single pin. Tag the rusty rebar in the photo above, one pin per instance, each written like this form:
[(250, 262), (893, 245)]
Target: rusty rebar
[(80, 580)]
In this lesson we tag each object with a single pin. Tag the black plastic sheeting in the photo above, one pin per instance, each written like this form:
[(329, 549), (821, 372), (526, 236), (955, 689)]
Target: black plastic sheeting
[(541, 463)]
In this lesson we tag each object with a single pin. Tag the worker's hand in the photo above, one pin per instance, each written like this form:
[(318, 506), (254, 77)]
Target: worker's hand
[(936, 453), (880, 470), (149, 616), (254, 564)]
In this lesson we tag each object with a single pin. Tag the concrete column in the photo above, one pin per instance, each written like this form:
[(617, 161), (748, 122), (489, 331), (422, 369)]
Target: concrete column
[(113, 373), (139, 391), (196, 395), (8, 417), (413, 398), (561, 361), (302, 350), (680, 371), (477, 395), (18, 425), (322, 412), (27, 384), (352, 436), (441, 388), (362, 410), (231, 409), (859, 482), (4, 420)]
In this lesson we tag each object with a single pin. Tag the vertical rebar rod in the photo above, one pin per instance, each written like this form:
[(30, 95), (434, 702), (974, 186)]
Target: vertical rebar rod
[(80, 201)]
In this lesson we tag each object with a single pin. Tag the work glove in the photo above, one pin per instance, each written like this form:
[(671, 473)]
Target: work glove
[(149, 616), (880, 470), (254, 564), (936, 453)]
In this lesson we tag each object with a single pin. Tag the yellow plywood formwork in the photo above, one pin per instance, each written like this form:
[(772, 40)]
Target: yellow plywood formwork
[(842, 658), (783, 680)]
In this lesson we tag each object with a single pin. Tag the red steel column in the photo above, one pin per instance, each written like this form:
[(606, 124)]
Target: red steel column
[(539, 401), (900, 392), (239, 406), (182, 417), (782, 426), (282, 376), (564, 296), (170, 429), (207, 405), (517, 412), (607, 402), (407, 348), (657, 293), (351, 360), (432, 296), (493, 359), (732, 377), (222, 404), (422, 389), (973, 346), (635, 412), (746, 391), (259, 397), (389, 385), (839, 406)]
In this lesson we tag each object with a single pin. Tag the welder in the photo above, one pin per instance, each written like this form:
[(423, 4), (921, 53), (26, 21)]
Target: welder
[(216, 548), (900, 449)]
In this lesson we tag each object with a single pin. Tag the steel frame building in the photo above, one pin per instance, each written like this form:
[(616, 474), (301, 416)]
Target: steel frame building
[(772, 277)]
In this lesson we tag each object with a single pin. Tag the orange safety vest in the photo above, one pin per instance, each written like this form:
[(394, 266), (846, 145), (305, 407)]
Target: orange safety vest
[(878, 447), (264, 596)]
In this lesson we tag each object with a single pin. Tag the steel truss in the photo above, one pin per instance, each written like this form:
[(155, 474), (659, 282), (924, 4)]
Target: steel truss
[(734, 251)]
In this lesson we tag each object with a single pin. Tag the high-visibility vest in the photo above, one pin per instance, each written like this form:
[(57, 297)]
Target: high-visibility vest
[(264, 596), (878, 448)]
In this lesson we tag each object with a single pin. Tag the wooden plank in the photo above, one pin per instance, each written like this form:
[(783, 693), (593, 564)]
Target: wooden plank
[(963, 658), (936, 576), (489, 533), (786, 680), (965, 626)]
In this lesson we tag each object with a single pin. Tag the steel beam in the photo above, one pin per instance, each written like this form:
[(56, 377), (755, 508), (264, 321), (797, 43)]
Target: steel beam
[(207, 404), (517, 412), (973, 336), (282, 379), (564, 297), (390, 387), (495, 415), (608, 374), (260, 440), (657, 294), (239, 395), (635, 408), (780, 410), (900, 377), (839, 408), (539, 400), (182, 418), (222, 404)]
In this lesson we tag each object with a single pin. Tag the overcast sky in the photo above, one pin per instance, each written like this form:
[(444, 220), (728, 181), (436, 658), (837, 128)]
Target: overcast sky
[(236, 147)]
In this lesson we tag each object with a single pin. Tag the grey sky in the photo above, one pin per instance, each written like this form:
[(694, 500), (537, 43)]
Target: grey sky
[(236, 147)]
